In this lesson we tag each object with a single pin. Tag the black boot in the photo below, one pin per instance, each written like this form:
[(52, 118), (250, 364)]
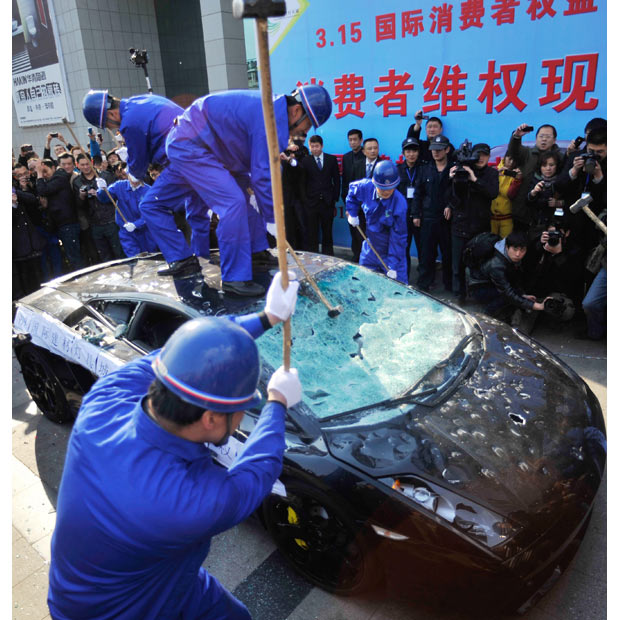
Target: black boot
[(245, 289), (264, 258), (183, 268)]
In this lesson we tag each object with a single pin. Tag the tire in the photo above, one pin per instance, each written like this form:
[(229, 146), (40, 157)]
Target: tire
[(43, 384), (320, 540)]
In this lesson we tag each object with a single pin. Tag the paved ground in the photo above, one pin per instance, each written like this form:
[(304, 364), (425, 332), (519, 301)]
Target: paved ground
[(245, 559)]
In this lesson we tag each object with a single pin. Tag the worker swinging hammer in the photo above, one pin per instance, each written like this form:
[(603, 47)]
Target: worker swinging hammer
[(140, 498)]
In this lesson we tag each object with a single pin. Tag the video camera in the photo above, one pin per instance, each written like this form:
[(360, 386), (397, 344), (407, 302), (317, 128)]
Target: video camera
[(465, 156), (138, 57)]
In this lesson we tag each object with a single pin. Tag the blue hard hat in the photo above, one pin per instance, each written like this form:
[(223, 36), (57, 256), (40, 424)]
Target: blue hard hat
[(385, 175), (211, 363), (95, 106), (316, 102)]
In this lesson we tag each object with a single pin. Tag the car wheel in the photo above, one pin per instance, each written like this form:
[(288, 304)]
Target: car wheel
[(320, 540), (43, 384)]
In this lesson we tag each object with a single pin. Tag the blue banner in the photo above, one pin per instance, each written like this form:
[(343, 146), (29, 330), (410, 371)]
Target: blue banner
[(482, 66)]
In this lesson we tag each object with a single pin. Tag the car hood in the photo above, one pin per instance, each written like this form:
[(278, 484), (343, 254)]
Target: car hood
[(522, 434)]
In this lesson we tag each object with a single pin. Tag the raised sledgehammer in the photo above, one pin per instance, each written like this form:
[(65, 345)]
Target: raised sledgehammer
[(582, 205), (261, 10)]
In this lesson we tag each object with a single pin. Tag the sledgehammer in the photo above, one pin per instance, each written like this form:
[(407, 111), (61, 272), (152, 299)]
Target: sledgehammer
[(582, 205), (332, 312), (261, 10)]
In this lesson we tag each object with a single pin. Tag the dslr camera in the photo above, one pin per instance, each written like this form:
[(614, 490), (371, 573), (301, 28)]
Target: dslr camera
[(464, 156), (589, 162), (555, 236)]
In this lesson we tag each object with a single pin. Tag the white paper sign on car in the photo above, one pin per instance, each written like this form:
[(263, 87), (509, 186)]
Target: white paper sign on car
[(226, 454)]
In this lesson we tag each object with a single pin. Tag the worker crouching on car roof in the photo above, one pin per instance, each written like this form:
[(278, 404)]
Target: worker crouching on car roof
[(140, 498), (386, 220)]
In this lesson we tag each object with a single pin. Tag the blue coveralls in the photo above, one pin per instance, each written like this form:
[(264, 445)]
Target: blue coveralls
[(128, 200), (145, 123), (138, 506), (216, 144), (386, 227)]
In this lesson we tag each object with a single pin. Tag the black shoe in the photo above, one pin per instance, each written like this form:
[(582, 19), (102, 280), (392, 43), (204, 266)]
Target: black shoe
[(264, 258), (245, 289), (183, 268)]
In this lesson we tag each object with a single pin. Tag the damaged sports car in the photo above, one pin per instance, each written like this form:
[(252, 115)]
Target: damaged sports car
[(432, 446)]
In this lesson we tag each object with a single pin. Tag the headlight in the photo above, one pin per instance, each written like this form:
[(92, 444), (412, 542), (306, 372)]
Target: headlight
[(476, 522)]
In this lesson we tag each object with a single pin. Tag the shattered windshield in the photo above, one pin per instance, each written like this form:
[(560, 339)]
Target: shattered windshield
[(385, 340)]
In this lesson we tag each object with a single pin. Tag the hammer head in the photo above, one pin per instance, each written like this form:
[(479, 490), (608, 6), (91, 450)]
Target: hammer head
[(584, 201), (258, 9)]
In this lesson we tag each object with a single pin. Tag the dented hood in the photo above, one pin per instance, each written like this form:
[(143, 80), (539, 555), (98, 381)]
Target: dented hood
[(520, 435)]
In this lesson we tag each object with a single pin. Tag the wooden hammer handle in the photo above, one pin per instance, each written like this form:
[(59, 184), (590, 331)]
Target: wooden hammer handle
[(262, 39)]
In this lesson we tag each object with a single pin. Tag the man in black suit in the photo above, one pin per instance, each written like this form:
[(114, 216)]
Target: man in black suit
[(348, 160), (321, 192)]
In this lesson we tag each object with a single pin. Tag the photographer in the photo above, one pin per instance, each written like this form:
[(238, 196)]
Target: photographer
[(587, 172), (528, 158), (503, 295), (474, 186), (58, 148), (575, 148), (544, 195), (100, 215), (552, 269)]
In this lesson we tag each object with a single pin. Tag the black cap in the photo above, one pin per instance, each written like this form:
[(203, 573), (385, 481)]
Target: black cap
[(410, 143), (481, 147), (439, 142)]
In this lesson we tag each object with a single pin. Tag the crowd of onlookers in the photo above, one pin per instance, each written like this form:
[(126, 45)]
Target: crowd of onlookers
[(501, 230)]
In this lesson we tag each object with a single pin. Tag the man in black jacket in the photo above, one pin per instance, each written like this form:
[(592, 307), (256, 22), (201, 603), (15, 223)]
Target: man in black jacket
[(55, 184), (503, 294), (408, 172), (320, 194), (432, 214), (100, 215), (434, 127), (473, 190)]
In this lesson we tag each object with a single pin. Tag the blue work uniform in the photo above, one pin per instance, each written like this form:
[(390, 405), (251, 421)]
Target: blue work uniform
[(386, 227), (128, 200), (138, 506), (145, 123), (217, 144)]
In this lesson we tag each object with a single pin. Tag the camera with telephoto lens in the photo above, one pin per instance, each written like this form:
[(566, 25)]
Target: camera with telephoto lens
[(555, 306), (138, 57), (465, 156), (555, 236), (589, 162)]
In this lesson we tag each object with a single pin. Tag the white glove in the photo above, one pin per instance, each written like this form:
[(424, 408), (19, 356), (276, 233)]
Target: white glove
[(122, 152), (129, 226), (281, 303), (391, 274), (353, 221), (271, 229), (287, 383), (101, 184), (210, 213)]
